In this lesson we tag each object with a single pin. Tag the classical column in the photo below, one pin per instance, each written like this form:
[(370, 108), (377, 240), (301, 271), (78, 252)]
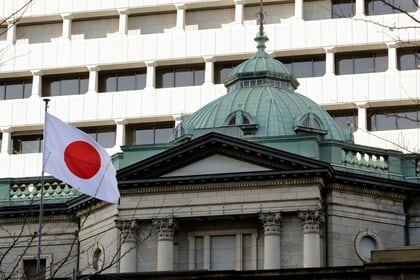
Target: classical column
[(67, 21), (311, 238), (165, 229), (271, 224), (128, 251)]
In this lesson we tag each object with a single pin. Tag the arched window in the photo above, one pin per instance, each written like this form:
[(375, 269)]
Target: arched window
[(238, 118)]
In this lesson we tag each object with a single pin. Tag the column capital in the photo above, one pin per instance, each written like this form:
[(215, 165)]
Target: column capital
[(165, 228), (311, 221), (128, 230), (209, 58), (271, 223), (151, 63)]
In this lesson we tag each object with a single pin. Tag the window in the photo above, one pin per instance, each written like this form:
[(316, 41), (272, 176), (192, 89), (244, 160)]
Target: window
[(65, 85), (180, 76), (408, 58), (223, 69), (343, 8), (238, 118), (26, 143), (104, 135), (378, 7), (305, 66), (149, 133), (363, 62), (393, 118), (122, 80), (29, 269), (223, 250), (345, 117), (15, 88)]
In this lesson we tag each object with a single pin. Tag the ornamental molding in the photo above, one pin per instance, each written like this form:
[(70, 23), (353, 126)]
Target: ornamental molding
[(271, 223), (223, 186), (368, 191), (165, 229), (128, 230), (35, 219)]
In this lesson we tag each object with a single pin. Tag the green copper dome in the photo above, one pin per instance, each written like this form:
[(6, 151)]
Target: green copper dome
[(261, 101)]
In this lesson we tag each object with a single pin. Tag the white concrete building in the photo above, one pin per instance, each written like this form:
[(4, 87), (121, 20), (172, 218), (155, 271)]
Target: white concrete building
[(256, 177), (124, 70)]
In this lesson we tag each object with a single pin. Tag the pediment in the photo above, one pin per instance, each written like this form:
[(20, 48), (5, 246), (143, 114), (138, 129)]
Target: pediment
[(216, 164), (214, 157)]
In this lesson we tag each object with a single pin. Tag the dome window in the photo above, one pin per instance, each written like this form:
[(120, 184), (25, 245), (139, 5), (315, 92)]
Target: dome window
[(243, 120), (238, 118), (310, 123)]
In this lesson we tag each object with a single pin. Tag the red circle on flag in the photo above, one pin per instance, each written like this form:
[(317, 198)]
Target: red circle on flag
[(82, 159)]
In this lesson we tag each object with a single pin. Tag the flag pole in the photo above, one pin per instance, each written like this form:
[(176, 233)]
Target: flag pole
[(41, 209)]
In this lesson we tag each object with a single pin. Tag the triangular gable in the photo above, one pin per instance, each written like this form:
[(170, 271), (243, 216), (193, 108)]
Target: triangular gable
[(189, 160), (216, 164)]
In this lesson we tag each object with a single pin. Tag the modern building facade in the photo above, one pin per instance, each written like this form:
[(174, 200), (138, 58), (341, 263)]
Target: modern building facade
[(249, 174)]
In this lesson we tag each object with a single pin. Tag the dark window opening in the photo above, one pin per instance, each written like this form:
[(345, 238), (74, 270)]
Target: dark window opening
[(179, 76), (362, 62), (65, 85), (122, 80), (408, 58), (223, 69), (344, 118), (26, 144), (29, 269), (104, 136), (378, 7), (15, 88), (393, 118), (152, 133), (305, 66), (343, 8)]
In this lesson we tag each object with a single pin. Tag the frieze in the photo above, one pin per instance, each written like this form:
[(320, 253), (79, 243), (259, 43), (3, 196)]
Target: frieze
[(368, 191), (35, 219), (223, 186)]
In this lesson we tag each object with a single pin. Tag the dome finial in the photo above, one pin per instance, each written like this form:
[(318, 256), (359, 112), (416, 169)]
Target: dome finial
[(261, 38), (261, 19)]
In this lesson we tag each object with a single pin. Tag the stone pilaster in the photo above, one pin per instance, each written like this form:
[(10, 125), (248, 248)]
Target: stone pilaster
[(271, 226), (311, 222), (128, 261), (165, 229)]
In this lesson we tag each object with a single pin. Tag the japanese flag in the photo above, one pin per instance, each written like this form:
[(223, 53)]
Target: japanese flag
[(74, 157)]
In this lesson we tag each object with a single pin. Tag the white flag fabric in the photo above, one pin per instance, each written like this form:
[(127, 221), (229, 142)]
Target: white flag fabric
[(74, 157)]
